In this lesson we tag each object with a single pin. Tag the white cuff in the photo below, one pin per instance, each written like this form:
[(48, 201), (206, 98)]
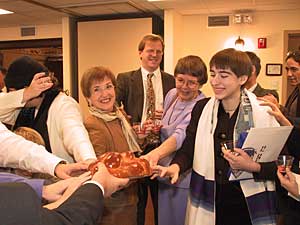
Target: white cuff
[(96, 183)]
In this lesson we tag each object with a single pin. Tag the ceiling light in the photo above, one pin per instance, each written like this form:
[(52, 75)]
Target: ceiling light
[(3, 12), (239, 43)]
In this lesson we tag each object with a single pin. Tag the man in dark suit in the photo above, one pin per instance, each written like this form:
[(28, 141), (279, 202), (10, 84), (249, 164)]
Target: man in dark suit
[(20, 205), (132, 85), (132, 92), (252, 84)]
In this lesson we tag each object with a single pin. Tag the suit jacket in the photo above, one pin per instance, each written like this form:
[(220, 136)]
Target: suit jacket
[(19, 205), (259, 91), (130, 91)]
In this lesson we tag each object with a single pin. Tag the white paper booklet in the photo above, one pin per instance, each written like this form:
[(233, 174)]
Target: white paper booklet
[(267, 144)]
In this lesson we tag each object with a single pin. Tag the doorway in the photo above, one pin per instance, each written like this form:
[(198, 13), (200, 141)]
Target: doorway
[(291, 43)]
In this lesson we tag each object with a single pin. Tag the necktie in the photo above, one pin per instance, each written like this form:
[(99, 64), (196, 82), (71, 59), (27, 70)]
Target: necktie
[(150, 97)]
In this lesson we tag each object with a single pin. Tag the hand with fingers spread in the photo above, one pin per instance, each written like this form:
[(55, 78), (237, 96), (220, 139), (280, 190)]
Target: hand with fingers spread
[(240, 160), (288, 181), (270, 98), (171, 171), (60, 191), (39, 83), (275, 111)]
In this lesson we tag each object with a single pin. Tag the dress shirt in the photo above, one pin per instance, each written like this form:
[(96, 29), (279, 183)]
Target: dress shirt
[(16, 152), (67, 134), (36, 184), (252, 88)]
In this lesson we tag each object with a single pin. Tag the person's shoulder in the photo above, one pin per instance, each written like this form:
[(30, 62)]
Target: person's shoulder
[(128, 73), (171, 93), (163, 73), (201, 104), (62, 97), (92, 121)]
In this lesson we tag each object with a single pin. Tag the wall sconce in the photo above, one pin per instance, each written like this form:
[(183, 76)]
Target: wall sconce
[(239, 43)]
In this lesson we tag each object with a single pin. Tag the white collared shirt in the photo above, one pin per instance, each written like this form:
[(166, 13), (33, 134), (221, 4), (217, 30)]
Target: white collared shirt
[(252, 88), (158, 90)]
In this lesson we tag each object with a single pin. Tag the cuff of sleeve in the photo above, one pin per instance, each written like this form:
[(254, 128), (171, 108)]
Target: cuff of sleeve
[(37, 185), (267, 171), (96, 183)]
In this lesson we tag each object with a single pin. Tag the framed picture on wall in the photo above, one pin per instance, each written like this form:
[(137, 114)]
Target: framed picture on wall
[(274, 69)]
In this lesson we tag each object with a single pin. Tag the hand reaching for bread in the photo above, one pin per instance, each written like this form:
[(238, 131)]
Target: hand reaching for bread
[(123, 165)]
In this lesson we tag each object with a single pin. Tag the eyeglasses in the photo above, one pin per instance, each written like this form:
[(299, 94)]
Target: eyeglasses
[(106, 87), (190, 83)]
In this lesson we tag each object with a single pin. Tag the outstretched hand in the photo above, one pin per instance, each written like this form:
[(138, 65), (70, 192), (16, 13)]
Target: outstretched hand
[(109, 182), (60, 191), (171, 171), (275, 111), (65, 171)]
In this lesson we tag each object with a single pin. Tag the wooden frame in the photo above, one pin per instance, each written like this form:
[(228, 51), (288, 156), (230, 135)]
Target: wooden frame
[(274, 69)]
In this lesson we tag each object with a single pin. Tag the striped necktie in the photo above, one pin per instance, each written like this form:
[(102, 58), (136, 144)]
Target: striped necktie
[(150, 97)]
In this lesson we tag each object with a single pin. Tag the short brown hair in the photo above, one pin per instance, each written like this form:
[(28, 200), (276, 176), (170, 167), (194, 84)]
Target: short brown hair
[(192, 65), (255, 60), (237, 61), (150, 37), (97, 73)]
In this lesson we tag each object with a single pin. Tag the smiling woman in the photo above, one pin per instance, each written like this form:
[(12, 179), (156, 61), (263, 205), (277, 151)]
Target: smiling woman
[(109, 131)]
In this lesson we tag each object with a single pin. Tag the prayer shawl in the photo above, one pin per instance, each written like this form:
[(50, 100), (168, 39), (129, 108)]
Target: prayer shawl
[(126, 127), (201, 203)]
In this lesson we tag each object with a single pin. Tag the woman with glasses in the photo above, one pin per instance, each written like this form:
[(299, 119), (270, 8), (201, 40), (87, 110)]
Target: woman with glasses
[(190, 74), (214, 199), (109, 131)]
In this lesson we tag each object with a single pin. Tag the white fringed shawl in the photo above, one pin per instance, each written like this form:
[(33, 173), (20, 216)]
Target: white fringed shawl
[(201, 205)]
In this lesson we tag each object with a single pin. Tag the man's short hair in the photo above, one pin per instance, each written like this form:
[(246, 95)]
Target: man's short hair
[(255, 60), (150, 37)]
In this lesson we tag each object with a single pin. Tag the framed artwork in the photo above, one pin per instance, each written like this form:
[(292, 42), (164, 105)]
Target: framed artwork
[(274, 69)]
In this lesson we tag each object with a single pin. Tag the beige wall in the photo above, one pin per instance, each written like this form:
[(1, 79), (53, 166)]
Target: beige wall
[(198, 39), (110, 43), (42, 31)]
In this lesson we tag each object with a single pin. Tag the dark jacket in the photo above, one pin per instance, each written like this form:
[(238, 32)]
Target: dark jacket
[(130, 91), (20, 205)]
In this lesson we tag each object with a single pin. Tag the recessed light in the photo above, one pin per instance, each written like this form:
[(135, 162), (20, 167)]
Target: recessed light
[(3, 12)]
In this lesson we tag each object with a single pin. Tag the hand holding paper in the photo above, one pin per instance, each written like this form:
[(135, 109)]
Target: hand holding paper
[(267, 142)]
